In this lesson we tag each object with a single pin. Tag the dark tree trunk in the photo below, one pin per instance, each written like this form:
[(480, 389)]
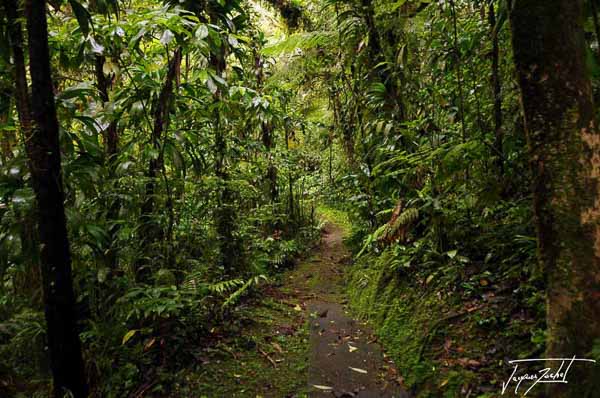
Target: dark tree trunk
[(44, 153), (497, 90), (564, 147), (111, 144), (7, 140), (290, 183), (225, 215), (459, 75), (271, 177), (594, 9), (111, 136), (151, 231), (30, 284), (21, 90), (161, 118), (267, 136), (375, 50), (376, 55)]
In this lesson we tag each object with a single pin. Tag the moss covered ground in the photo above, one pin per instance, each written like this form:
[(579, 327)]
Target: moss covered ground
[(266, 356)]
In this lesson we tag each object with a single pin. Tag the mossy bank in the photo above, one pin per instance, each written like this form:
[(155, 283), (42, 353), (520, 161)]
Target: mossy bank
[(450, 330)]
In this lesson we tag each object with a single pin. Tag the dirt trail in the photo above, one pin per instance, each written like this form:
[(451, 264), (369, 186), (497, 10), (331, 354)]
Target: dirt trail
[(345, 360)]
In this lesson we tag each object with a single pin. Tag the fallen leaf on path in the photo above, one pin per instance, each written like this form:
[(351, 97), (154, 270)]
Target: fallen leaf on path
[(149, 344), (352, 348), (400, 381), (324, 388), (358, 370), (464, 362), (447, 344)]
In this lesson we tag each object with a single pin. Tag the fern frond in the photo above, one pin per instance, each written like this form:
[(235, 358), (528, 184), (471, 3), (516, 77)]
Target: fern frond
[(234, 297), (302, 41), (224, 286), (397, 227)]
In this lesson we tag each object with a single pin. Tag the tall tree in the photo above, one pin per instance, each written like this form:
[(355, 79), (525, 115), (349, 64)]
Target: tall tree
[(44, 159), (564, 152), (30, 282), (225, 215), (268, 139), (594, 11), (497, 90), (161, 112), (111, 143)]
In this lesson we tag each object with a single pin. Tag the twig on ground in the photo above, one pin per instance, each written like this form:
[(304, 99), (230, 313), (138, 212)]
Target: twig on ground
[(264, 354)]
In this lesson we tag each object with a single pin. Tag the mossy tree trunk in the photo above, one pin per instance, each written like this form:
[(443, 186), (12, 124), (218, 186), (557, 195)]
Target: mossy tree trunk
[(564, 149)]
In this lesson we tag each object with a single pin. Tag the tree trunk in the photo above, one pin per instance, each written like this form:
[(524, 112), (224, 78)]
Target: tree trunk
[(497, 90), (44, 156), (111, 137), (594, 9), (8, 137), (564, 148), (111, 143), (21, 91), (376, 56), (29, 284), (225, 214), (161, 118), (271, 177), (267, 136), (151, 231)]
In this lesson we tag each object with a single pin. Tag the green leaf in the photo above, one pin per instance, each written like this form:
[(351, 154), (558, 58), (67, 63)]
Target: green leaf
[(398, 4), (129, 335), (452, 253), (96, 48), (167, 37), (212, 87), (202, 32), (80, 90), (83, 16), (103, 274)]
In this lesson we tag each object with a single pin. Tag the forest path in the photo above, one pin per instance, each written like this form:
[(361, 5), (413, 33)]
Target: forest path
[(295, 340), (344, 358)]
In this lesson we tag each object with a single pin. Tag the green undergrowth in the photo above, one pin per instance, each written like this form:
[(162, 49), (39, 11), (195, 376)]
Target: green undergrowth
[(449, 331), (264, 355)]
